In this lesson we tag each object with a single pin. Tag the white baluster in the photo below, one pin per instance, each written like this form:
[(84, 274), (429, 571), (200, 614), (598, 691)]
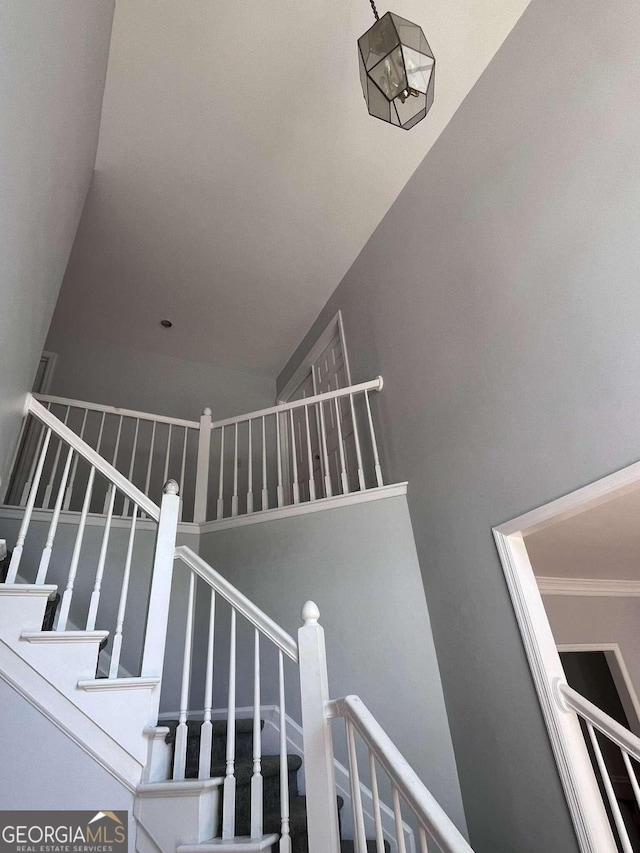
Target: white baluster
[(627, 847), (150, 461), (97, 586), (250, 470), (206, 730), (312, 482), (360, 840), (107, 497), (132, 462), (356, 436), (101, 432), (46, 501), (377, 817), (265, 490), (423, 840), (202, 467), (122, 604), (397, 814), (67, 499), (229, 789), (285, 832), (165, 475), (220, 501), (344, 478), (374, 444), (632, 776), (296, 487), (34, 463), (75, 557), (180, 755), (280, 489), (328, 491), (256, 778), (48, 547), (183, 467), (234, 498), (26, 520)]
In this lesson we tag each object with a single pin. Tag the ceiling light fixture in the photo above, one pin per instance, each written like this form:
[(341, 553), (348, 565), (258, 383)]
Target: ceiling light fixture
[(397, 70)]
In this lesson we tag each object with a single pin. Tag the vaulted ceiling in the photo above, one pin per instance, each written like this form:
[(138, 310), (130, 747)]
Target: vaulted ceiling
[(238, 174)]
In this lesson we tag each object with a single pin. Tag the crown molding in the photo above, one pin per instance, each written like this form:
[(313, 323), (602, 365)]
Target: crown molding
[(603, 587)]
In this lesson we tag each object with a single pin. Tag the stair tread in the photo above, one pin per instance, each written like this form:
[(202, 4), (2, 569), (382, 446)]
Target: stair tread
[(239, 844)]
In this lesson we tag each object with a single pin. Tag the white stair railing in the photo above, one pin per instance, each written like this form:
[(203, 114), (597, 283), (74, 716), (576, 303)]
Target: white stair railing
[(147, 449), (596, 721), (62, 448), (299, 452), (208, 591), (433, 825)]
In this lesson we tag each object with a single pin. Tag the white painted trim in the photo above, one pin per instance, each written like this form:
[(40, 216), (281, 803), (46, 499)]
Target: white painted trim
[(574, 766), (379, 493), (94, 519), (105, 685), (601, 587), (620, 674), (47, 375), (336, 324), (63, 637)]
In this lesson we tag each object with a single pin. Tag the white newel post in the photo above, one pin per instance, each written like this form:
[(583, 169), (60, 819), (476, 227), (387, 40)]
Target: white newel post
[(319, 774), (156, 631), (202, 470)]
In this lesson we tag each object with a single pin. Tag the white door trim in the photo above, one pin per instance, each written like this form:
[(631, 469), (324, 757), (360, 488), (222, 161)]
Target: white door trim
[(335, 326), (576, 774)]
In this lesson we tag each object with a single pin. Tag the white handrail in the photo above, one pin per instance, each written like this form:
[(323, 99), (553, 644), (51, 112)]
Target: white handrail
[(114, 410), (373, 385), (93, 458), (423, 804), (239, 602), (622, 737)]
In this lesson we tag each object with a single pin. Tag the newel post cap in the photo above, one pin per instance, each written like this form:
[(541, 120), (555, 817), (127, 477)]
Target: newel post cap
[(310, 613), (171, 488), (207, 411)]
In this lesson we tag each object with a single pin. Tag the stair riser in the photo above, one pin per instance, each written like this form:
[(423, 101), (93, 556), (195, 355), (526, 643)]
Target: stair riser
[(271, 801)]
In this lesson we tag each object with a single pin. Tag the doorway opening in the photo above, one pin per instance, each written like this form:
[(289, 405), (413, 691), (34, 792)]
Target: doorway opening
[(573, 572)]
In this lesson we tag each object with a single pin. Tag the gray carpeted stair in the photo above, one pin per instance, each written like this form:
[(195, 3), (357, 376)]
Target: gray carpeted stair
[(243, 773)]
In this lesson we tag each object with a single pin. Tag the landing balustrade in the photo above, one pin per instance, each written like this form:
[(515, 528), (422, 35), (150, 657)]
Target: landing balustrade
[(301, 452)]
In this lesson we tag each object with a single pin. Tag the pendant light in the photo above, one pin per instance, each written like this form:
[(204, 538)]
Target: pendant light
[(397, 70)]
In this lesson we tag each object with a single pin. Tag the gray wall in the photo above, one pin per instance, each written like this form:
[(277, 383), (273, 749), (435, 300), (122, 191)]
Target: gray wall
[(359, 564), (102, 372), (32, 775), (53, 61), (499, 299)]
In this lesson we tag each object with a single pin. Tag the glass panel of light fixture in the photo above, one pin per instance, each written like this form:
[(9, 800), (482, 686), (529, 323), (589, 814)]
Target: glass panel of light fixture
[(418, 67), (411, 106), (389, 75), (408, 32), (378, 41), (377, 104)]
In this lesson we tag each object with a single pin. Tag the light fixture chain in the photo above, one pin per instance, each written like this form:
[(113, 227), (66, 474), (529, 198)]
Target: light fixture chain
[(375, 11)]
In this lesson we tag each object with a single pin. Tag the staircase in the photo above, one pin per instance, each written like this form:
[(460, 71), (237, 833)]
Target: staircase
[(211, 777)]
